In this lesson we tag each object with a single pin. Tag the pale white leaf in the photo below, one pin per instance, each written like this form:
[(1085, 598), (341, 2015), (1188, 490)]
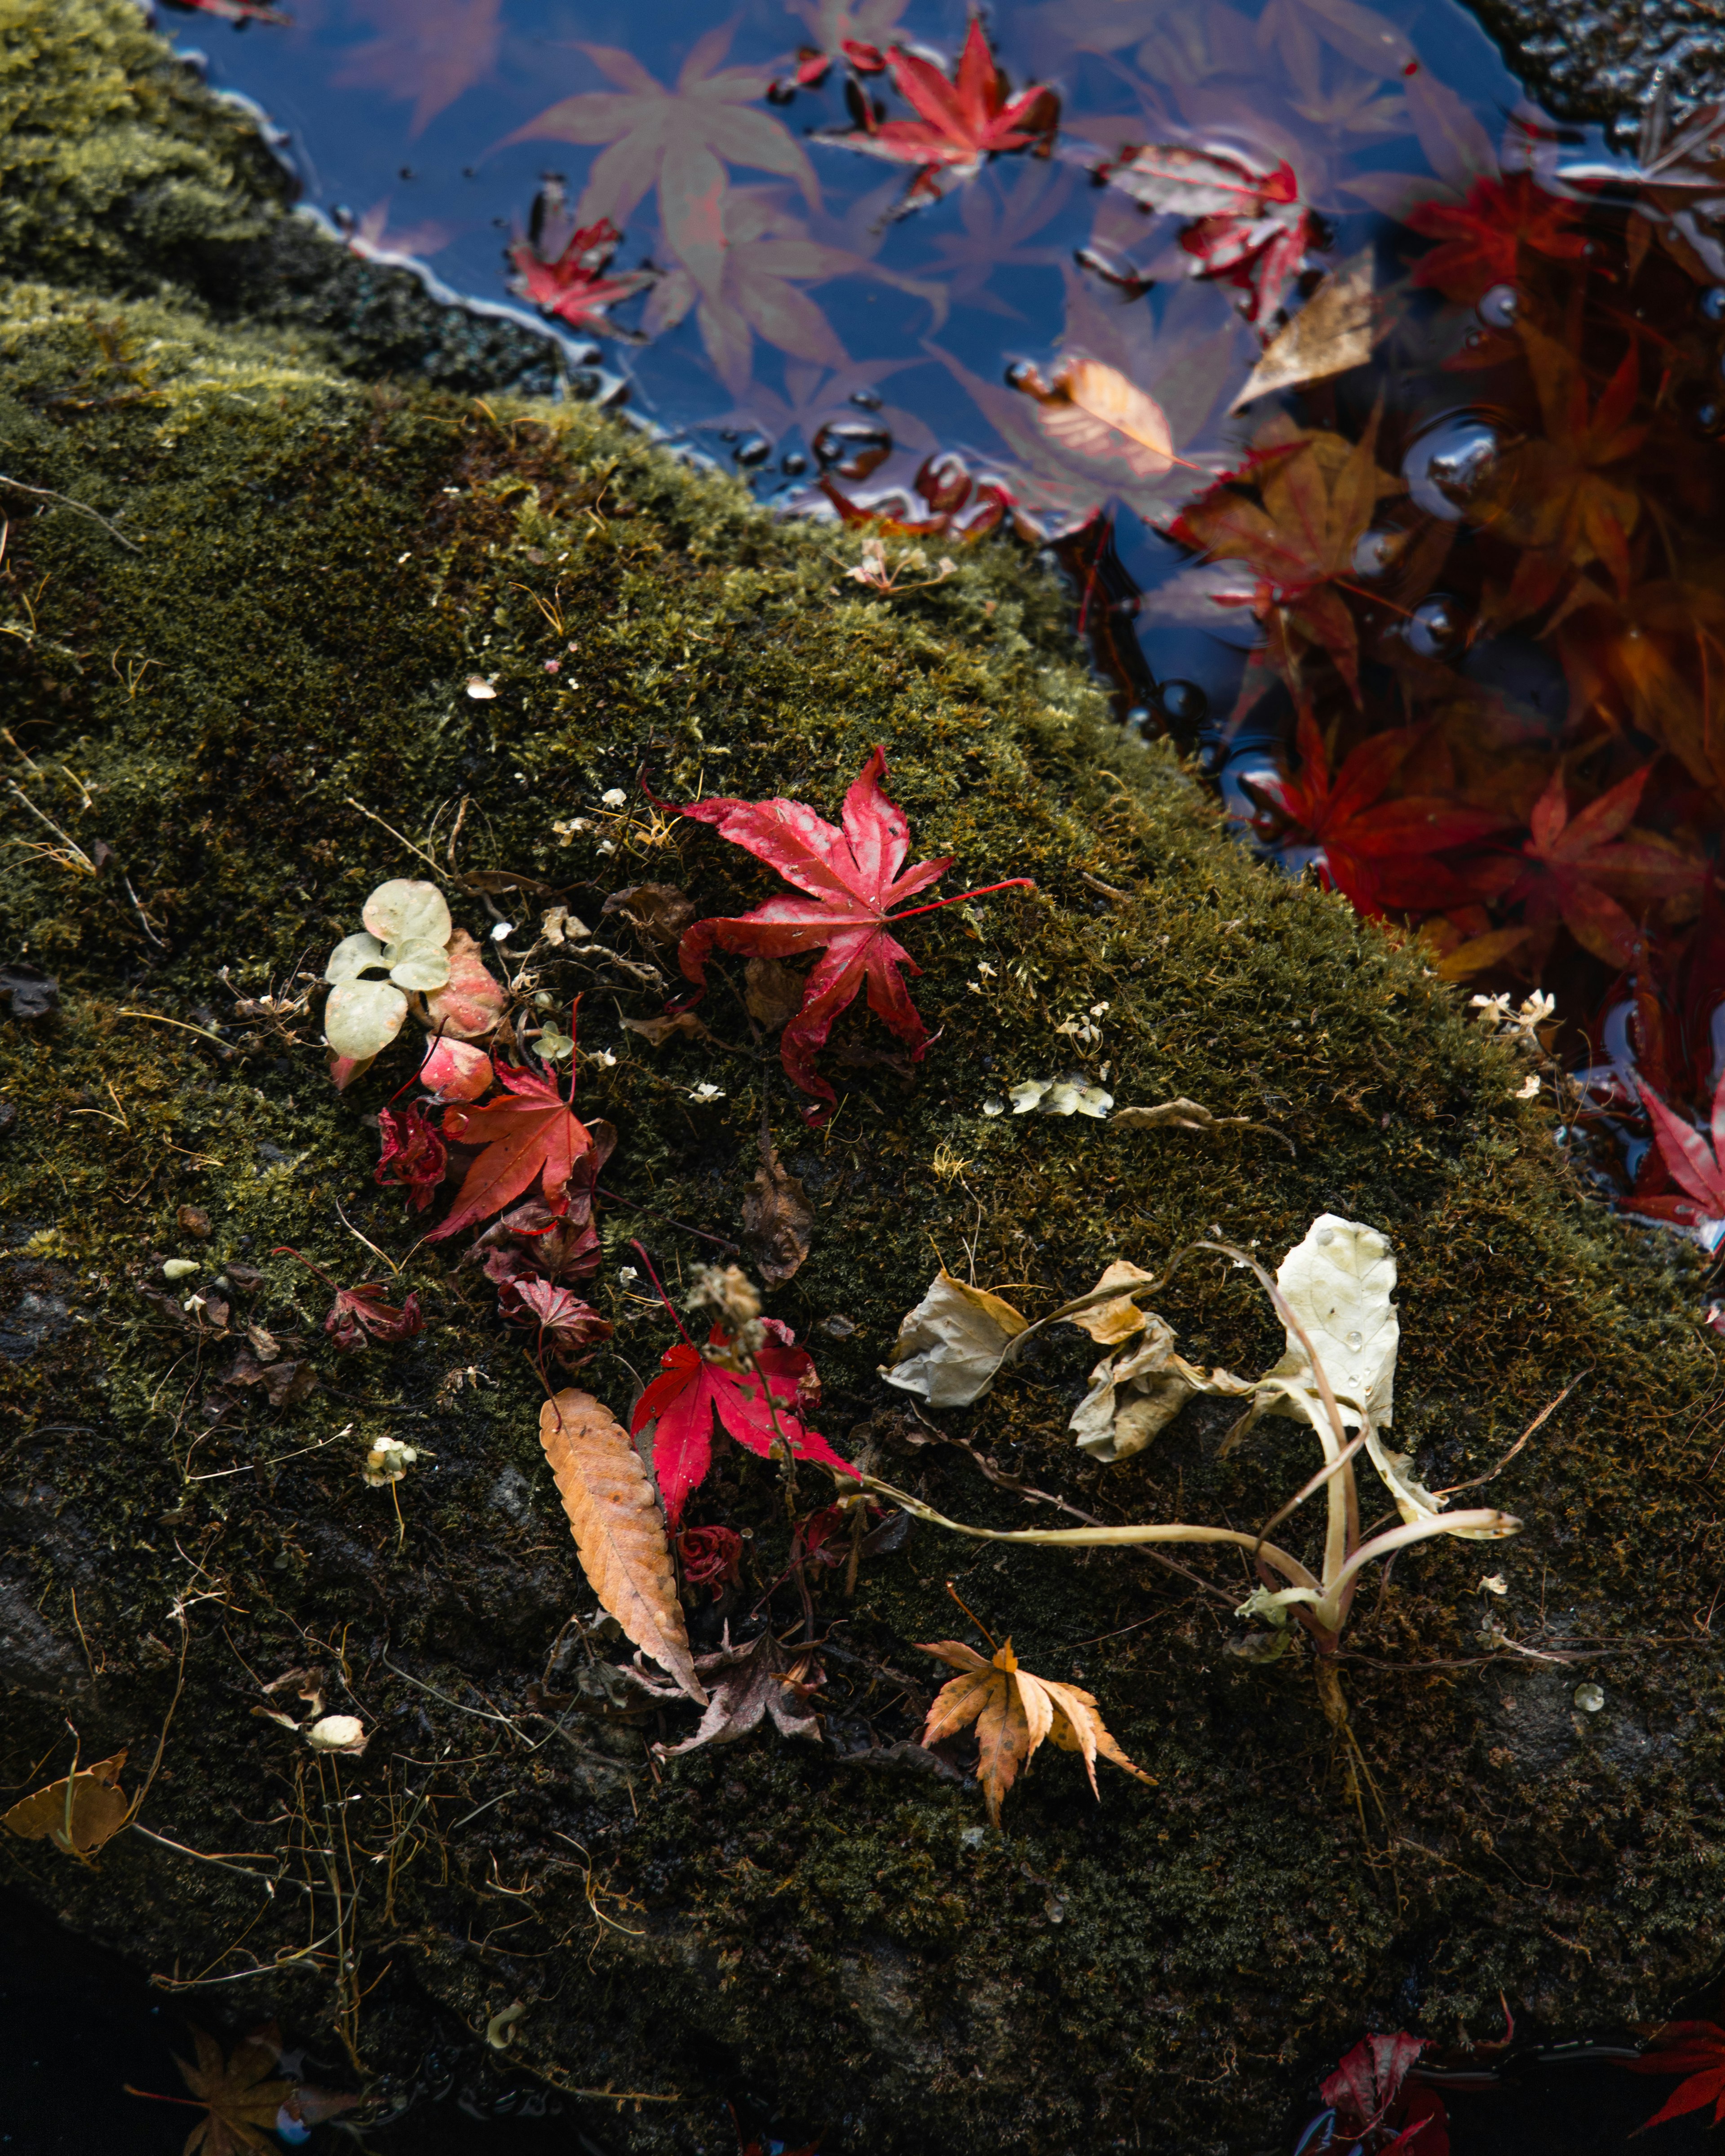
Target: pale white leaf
[(362, 1018), (403, 912), (352, 956), (949, 1346), (1337, 1283)]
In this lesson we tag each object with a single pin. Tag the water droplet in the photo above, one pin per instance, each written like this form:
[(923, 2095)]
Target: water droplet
[(1182, 703), (1449, 464), (1143, 719), (1326, 1235), (1020, 374), (754, 451), (865, 400), (1590, 1698), (1374, 551), (1354, 1343), (1499, 307), (854, 448), (1112, 266), (1433, 628), (1711, 303), (794, 465)]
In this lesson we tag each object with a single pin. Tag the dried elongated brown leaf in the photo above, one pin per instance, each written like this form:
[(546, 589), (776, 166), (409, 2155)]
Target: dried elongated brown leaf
[(777, 1217), (1184, 1115), (618, 1530), (1334, 331), (772, 993), (78, 1813), (1014, 1712)]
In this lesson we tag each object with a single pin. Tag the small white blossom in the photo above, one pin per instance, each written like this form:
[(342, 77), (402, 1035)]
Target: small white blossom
[(565, 832), (1535, 1011), (388, 1461), (480, 689), (1493, 1010), (985, 970), (706, 1091), (627, 1275), (1529, 1087), (1494, 1583), (1097, 1009), (614, 797), (603, 1056)]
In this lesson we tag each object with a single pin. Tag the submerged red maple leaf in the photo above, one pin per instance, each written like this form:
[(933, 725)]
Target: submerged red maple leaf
[(756, 1409), (1480, 240), (573, 286), (1248, 227), (852, 875), (1696, 1167), (963, 119), (1696, 2050), (1571, 860), (1378, 2113), (1377, 852)]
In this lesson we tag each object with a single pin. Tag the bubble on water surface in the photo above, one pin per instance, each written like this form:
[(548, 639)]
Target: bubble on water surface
[(1182, 703), (1499, 307), (1449, 464), (1711, 303), (754, 451), (1374, 551), (1434, 627), (794, 465)]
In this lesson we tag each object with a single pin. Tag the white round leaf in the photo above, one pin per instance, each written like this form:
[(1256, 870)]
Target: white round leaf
[(418, 964), (352, 956), (405, 912), (362, 1018)]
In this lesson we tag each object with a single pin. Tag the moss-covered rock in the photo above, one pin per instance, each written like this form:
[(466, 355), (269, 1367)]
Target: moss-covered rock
[(242, 607)]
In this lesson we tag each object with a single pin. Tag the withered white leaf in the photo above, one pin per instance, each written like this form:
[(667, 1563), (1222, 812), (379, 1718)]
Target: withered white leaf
[(949, 1346), (1135, 1394), (1337, 1283)]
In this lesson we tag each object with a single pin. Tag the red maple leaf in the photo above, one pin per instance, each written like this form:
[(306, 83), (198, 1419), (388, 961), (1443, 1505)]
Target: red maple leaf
[(1377, 853), (1376, 2112), (566, 1323), (853, 875), (1695, 2049), (756, 1408), (360, 1315), (413, 1154), (532, 1242), (1696, 1167), (533, 1137), (1247, 227), (1481, 239), (963, 119), (1572, 858), (574, 286)]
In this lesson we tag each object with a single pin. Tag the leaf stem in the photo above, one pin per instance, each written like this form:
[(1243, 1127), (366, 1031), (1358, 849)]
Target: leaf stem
[(1012, 883), (659, 1290)]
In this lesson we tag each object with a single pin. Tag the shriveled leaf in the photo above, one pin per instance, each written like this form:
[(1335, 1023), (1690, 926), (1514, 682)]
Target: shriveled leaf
[(78, 1814), (777, 1219), (1109, 1323), (771, 993), (681, 1025), (1135, 1394), (1334, 331), (403, 911), (360, 1315), (414, 1153), (949, 1346), (1071, 1095), (618, 1530), (659, 911), (362, 1018), (1184, 1115), (1014, 1712), (744, 1684), (469, 1002)]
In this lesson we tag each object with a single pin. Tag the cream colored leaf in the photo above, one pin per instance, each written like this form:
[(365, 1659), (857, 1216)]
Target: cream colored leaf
[(1180, 1115), (1094, 411), (416, 963), (1109, 1323), (352, 955), (404, 911), (618, 1529), (1334, 331), (1135, 1394), (1336, 1282), (362, 1018), (949, 1346)]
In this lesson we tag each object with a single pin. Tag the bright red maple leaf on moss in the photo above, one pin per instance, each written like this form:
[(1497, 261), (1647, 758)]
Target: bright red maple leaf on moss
[(533, 1137), (1480, 240), (1377, 852), (852, 875), (756, 1408), (963, 119)]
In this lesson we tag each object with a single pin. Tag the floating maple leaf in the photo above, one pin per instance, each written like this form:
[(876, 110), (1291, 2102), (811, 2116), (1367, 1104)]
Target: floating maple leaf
[(533, 1137), (964, 119), (1375, 2106), (852, 875), (428, 50), (759, 1408), (1695, 2049), (1376, 851), (573, 286), (1317, 493), (678, 140), (1246, 226), (244, 2095), (1573, 858), (1014, 1712), (1481, 240), (1696, 1167)]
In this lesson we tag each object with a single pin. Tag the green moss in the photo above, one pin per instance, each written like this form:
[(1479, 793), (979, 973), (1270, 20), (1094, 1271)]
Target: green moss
[(320, 567)]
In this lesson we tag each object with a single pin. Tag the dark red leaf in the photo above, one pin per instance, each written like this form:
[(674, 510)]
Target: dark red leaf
[(711, 1557), (413, 1154), (360, 1315), (565, 1322)]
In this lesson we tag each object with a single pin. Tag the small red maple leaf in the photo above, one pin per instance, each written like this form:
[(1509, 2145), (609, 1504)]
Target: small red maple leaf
[(852, 875), (964, 119), (1247, 227), (360, 1315), (758, 1409), (1695, 2049), (566, 1323), (1375, 2109), (533, 1137), (574, 286), (1696, 1167), (1572, 858), (413, 1154), (1377, 853), (1481, 239)]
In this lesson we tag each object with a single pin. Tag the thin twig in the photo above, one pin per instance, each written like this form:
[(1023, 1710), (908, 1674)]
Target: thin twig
[(84, 509)]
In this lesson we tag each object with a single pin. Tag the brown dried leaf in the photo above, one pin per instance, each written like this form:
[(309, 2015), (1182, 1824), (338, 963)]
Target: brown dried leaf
[(681, 1024), (1109, 1323), (758, 1678), (771, 993), (78, 1813), (777, 1217), (1014, 1712), (1334, 331), (618, 1531), (1184, 1115), (659, 911)]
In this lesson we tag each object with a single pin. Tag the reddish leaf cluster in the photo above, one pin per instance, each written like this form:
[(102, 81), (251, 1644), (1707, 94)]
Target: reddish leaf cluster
[(413, 1154), (572, 285), (711, 1557)]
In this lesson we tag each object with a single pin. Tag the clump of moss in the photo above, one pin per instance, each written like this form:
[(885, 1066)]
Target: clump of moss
[(317, 568)]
